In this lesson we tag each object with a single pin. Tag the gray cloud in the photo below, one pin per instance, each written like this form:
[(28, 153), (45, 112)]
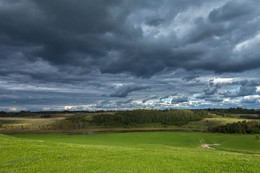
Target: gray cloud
[(231, 10), (245, 88), (179, 99), (214, 99), (155, 22), (211, 88), (251, 100), (150, 98), (126, 90), (112, 37), (90, 47)]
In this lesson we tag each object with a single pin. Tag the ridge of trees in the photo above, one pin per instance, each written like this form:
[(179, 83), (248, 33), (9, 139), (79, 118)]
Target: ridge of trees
[(166, 117), (243, 127), (237, 110), (250, 117)]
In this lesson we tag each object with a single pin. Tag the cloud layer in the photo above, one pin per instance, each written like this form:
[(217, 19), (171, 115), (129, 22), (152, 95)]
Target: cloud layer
[(129, 54)]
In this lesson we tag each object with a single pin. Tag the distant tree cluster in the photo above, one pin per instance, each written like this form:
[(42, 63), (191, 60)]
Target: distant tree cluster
[(167, 117), (243, 127), (234, 111), (17, 114), (71, 123), (250, 117)]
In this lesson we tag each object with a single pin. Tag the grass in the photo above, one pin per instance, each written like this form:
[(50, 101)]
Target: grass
[(130, 152)]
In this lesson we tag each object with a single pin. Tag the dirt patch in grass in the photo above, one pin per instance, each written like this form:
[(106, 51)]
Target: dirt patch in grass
[(208, 146)]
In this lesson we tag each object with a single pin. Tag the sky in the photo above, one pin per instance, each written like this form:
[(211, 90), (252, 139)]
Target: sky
[(129, 54)]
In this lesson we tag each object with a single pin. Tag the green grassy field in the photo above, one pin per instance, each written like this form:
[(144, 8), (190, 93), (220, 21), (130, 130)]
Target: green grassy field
[(130, 152)]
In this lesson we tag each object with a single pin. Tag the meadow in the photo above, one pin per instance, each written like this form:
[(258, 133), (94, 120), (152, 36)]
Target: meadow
[(80, 123), (130, 152)]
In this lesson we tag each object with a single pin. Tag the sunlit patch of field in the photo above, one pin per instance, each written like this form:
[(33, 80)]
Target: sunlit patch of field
[(12, 123), (32, 122), (212, 122)]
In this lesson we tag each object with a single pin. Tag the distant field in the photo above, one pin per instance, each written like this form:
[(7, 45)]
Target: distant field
[(212, 122), (130, 152), (13, 125)]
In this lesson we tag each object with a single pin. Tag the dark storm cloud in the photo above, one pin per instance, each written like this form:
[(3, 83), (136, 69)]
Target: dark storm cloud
[(125, 90), (230, 11), (110, 36), (155, 22), (87, 49), (179, 99), (191, 78), (167, 96), (213, 99), (150, 98)]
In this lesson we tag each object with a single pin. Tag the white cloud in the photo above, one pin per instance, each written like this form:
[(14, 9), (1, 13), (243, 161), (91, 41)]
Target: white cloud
[(184, 21), (13, 109), (223, 80), (247, 44)]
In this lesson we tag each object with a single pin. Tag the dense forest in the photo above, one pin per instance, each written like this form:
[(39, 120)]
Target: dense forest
[(238, 127), (166, 117)]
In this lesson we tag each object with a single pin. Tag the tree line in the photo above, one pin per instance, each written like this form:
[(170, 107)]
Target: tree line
[(237, 110), (250, 117), (71, 123), (166, 117), (243, 127)]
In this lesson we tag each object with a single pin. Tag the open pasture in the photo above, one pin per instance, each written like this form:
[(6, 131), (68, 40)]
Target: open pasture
[(130, 152)]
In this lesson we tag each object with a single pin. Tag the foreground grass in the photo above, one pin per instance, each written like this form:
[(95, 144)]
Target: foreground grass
[(129, 152)]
